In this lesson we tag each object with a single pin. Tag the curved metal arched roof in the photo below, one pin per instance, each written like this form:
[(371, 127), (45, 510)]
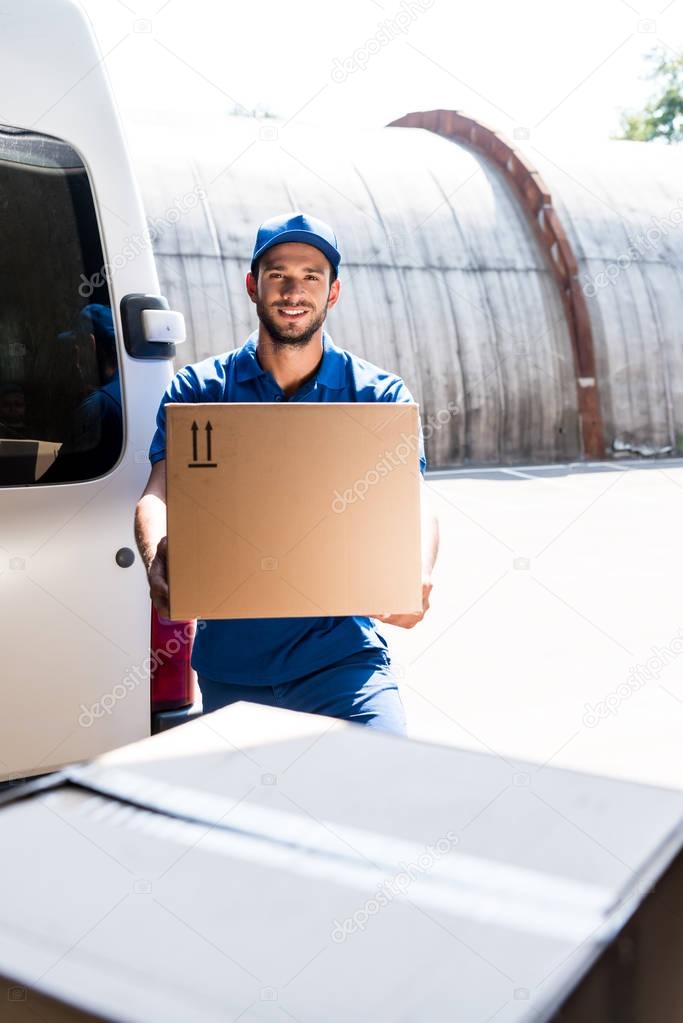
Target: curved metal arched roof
[(445, 278), (622, 207)]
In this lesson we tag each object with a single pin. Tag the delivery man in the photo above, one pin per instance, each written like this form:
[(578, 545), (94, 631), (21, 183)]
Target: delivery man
[(335, 666)]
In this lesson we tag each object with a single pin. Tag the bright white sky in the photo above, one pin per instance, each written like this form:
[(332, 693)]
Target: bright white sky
[(558, 69)]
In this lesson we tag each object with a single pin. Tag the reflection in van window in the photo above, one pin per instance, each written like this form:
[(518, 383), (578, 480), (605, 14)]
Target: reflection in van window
[(61, 418)]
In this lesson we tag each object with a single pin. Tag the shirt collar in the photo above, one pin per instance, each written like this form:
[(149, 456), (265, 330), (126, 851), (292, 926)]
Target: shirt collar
[(330, 374)]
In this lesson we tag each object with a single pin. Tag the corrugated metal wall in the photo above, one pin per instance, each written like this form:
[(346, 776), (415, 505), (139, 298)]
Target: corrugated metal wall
[(622, 207), (442, 279)]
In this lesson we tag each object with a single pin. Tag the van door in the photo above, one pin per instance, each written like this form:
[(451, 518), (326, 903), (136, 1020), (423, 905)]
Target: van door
[(76, 410)]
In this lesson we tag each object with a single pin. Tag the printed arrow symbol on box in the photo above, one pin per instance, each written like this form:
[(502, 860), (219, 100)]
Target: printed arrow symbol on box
[(208, 429), (194, 440)]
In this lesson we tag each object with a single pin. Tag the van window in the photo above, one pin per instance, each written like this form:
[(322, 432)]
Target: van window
[(61, 416)]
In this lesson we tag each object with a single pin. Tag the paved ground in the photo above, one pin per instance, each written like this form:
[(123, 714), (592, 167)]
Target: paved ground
[(556, 627)]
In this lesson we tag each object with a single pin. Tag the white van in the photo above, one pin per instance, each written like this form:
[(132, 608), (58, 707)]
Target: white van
[(85, 354)]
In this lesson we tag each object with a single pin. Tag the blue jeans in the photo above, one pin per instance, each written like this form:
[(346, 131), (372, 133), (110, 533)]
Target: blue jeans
[(361, 688)]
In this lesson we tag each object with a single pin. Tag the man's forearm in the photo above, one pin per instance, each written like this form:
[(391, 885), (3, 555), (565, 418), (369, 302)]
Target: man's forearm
[(150, 526)]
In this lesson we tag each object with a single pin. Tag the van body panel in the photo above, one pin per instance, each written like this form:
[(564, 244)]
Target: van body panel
[(75, 625)]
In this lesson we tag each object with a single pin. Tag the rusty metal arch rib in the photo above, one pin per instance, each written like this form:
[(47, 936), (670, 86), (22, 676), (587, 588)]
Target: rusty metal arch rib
[(530, 188)]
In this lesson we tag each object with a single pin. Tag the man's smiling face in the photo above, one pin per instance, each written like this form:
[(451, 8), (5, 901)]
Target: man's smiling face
[(293, 292)]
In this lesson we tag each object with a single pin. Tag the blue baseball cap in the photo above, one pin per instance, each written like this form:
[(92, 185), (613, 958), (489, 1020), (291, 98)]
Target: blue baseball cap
[(93, 319), (296, 227), (98, 320)]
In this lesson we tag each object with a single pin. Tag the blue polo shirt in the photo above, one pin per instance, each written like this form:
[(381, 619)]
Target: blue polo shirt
[(272, 651)]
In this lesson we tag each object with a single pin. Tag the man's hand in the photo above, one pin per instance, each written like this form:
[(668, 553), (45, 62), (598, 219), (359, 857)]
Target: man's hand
[(408, 621), (158, 580)]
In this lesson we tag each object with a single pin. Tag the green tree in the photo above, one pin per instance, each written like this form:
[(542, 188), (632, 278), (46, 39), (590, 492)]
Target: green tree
[(662, 117)]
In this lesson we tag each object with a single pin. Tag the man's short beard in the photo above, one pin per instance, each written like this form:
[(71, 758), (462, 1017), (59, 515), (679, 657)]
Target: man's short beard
[(286, 340)]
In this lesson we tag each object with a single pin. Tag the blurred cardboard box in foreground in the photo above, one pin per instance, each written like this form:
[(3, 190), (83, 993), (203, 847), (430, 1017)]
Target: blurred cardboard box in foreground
[(264, 865)]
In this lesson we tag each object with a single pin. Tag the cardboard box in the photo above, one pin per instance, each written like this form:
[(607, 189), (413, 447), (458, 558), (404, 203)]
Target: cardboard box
[(25, 461), (265, 865), (293, 510)]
